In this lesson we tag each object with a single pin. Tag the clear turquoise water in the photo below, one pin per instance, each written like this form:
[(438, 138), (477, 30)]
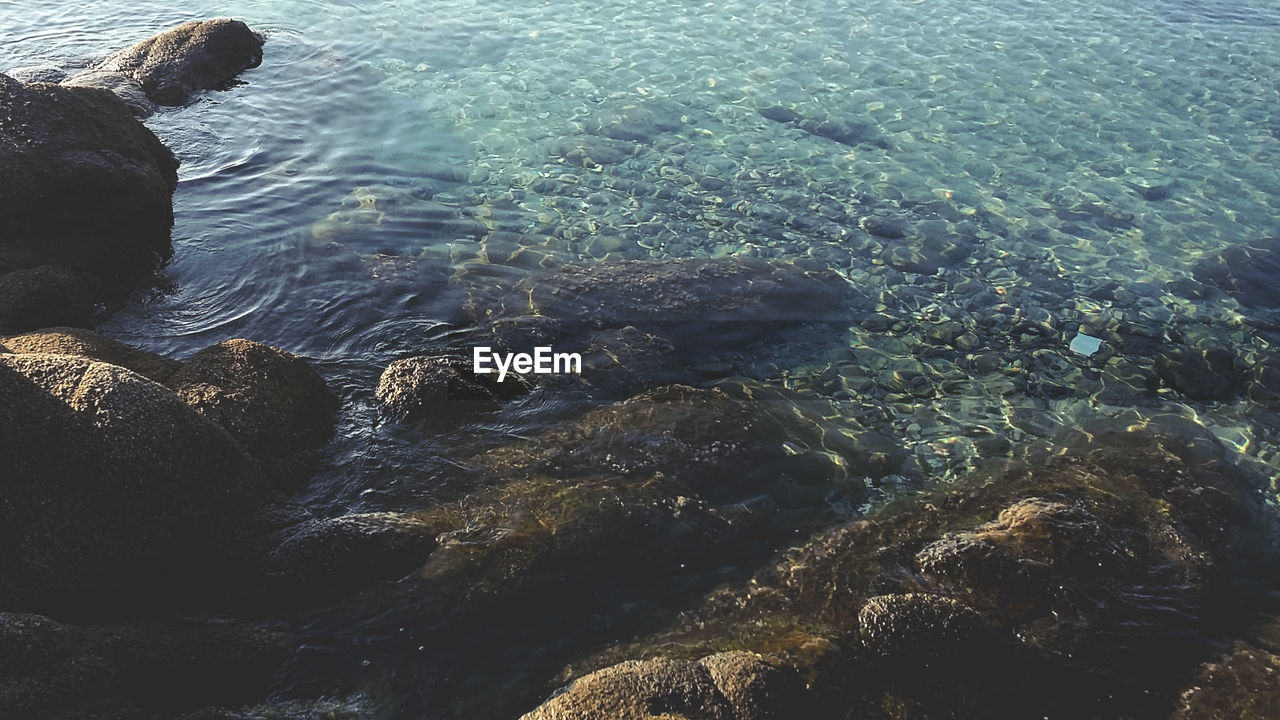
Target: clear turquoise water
[(1006, 112)]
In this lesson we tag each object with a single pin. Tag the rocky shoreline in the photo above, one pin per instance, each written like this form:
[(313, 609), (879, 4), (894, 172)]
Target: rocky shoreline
[(677, 545)]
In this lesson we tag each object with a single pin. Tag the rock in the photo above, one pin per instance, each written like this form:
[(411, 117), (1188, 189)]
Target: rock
[(116, 492), (424, 387), (729, 685), (1246, 272), (625, 361), (696, 304), (923, 630), (1239, 685), (756, 688), (1091, 579), (132, 671), (323, 559), (713, 443), (779, 114), (37, 73), (92, 346), (658, 689), (592, 152), (84, 187), (846, 131), (893, 228), (1204, 375), (170, 67), (640, 124), (43, 296), (269, 400)]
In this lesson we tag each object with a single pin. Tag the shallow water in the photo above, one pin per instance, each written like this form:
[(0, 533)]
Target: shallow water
[(1045, 126)]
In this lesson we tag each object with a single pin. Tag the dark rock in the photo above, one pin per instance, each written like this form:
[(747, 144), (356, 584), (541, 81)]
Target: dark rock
[(593, 152), (1091, 580), (1155, 193), (846, 131), (269, 400), (624, 361), (170, 67), (1264, 383), (892, 228), (43, 296), (1187, 288), (92, 346), (83, 187), (115, 490), (37, 73), (323, 559), (878, 322), (1204, 375), (777, 113), (420, 388), (639, 124), (132, 672), (1246, 272), (923, 630)]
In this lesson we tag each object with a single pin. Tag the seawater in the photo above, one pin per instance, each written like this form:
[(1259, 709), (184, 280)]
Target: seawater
[(1026, 116)]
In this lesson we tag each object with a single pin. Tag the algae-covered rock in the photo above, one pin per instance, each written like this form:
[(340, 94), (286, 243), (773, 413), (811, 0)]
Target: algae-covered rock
[(1081, 583), (324, 558), (704, 438)]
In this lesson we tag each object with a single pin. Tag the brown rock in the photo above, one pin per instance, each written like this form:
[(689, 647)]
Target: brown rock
[(269, 400), (92, 346)]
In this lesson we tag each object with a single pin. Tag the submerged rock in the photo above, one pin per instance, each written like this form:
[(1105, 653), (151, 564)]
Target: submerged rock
[(1246, 272), (704, 438), (711, 304), (170, 67), (1083, 585), (115, 490), (270, 400), (325, 558)]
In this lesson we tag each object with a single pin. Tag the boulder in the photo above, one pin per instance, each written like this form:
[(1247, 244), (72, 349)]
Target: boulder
[(659, 689), (724, 686), (115, 491), (43, 296), (427, 387), (170, 67), (92, 346), (270, 400), (83, 184)]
